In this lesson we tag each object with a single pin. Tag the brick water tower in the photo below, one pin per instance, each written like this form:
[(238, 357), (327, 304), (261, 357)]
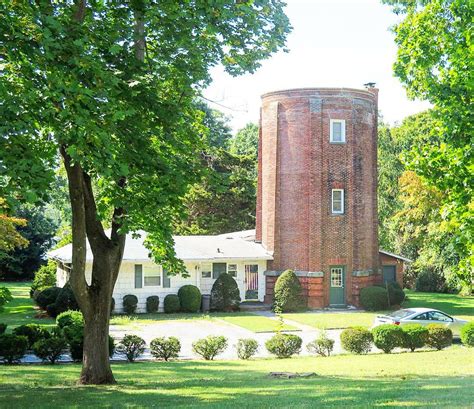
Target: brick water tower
[(317, 191)]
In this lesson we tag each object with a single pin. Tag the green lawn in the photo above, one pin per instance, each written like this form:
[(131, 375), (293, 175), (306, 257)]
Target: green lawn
[(21, 310), (421, 379), (453, 304)]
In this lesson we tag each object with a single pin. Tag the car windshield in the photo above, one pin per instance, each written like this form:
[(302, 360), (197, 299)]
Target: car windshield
[(401, 313)]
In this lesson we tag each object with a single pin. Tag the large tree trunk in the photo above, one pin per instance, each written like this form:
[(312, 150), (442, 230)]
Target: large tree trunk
[(95, 298)]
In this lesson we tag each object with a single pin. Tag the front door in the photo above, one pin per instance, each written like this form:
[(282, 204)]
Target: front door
[(337, 284), (389, 274), (251, 281)]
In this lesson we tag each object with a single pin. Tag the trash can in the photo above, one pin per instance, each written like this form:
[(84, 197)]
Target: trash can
[(206, 302)]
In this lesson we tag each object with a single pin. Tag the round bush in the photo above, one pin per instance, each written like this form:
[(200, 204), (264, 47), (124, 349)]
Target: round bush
[(3, 328), (467, 334), (322, 345), (171, 304), (288, 293), (132, 346), (44, 277), (246, 348), (284, 345), (47, 297), (65, 300), (439, 336), (33, 332), (50, 349), (225, 294), (387, 337), (357, 340), (130, 302), (189, 298), (210, 346), (165, 348), (395, 294), (430, 281), (414, 336), (374, 298), (68, 318), (12, 347), (152, 303)]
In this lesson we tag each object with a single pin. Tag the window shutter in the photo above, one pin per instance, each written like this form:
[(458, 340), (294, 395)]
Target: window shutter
[(166, 279), (138, 276)]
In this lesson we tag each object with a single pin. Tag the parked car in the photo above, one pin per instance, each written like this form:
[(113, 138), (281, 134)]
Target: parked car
[(423, 316)]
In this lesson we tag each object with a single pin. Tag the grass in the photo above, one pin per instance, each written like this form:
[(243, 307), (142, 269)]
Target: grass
[(21, 310), (420, 379), (453, 304)]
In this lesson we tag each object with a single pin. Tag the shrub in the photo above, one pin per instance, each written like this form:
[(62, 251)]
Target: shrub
[(439, 336), (165, 348), (152, 303), (414, 336), (387, 337), (5, 296), (68, 318), (47, 297), (3, 328), (467, 334), (284, 345), (430, 281), (65, 301), (50, 349), (44, 277), (374, 298), (288, 293), (210, 346), (395, 293), (171, 304), (357, 340), (12, 347), (225, 294), (322, 345), (132, 346), (32, 332), (130, 302), (246, 348), (189, 298)]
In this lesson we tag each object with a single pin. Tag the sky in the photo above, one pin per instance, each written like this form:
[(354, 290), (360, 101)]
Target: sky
[(334, 43)]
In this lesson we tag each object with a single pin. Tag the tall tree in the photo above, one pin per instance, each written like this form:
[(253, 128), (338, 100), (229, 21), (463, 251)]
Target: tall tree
[(111, 85), (245, 141), (436, 62), (10, 237)]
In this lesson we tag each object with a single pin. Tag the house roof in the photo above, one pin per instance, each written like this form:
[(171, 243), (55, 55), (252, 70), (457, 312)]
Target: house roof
[(395, 256), (236, 245)]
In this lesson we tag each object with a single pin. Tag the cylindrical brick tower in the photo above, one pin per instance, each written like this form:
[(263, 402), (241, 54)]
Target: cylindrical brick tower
[(317, 190)]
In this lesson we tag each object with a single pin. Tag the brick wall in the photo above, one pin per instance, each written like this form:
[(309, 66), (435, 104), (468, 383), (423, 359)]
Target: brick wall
[(298, 168)]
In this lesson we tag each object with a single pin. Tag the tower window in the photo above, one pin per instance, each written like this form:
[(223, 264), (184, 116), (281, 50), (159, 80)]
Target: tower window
[(337, 201), (337, 131)]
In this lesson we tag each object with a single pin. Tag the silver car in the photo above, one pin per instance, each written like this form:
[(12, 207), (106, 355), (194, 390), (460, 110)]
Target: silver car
[(423, 316)]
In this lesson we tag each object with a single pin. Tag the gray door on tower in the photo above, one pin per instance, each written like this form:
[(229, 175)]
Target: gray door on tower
[(389, 274), (337, 286)]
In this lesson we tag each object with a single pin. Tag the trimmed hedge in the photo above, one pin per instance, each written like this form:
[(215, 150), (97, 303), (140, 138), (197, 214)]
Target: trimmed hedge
[(387, 337), (33, 333), (189, 298), (246, 348), (50, 349), (132, 346), (414, 336), (47, 297), (152, 303), (45, 277), (65, 301), (12, 347), (284, 345), (395, 293), (165, 348), (130, 303), (288, 293), (210, 347), (322, 345), (225, 294), (357, 340), (467, 334), (374, 298), (171, 304), (439, 336), (68, 318)]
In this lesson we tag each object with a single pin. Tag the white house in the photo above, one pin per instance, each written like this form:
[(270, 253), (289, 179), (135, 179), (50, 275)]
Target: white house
[(205, 258)]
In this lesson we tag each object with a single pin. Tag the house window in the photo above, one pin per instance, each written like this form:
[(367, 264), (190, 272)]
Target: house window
[(337, 201), (232, 270), (151, 276), (337, 131), (206, 270)]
